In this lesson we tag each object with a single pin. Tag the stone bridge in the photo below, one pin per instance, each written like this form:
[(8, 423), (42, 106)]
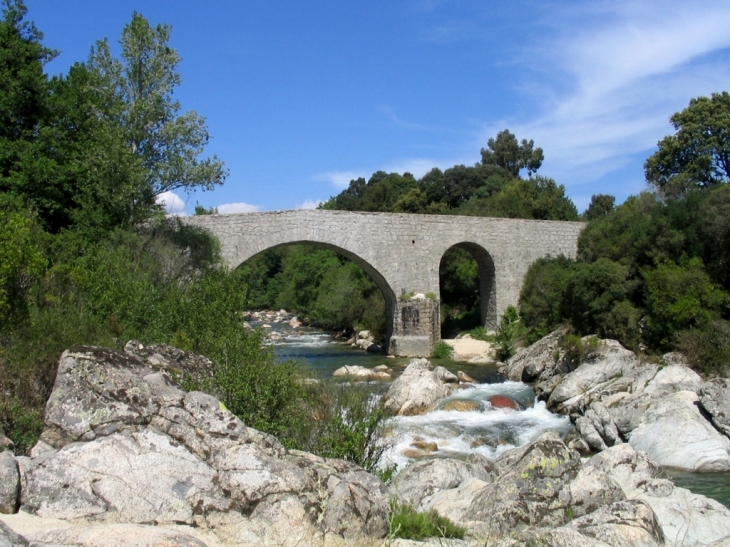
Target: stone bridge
[(402, 253)]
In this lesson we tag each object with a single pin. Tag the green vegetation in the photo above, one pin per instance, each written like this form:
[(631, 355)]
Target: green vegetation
[(442, 350), (407, 523), (653, 272)]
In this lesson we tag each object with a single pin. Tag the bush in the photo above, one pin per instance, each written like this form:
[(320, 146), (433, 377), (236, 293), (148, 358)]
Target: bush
[(509, 332), (407, 523), (575, 349), (543, 292), (442, 350), (707, 348)]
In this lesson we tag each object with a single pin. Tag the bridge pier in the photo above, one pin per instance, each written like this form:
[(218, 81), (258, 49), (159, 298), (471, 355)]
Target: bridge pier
[(416, 327)]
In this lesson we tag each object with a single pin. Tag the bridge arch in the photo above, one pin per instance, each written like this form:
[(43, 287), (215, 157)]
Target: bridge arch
[(369, 269)]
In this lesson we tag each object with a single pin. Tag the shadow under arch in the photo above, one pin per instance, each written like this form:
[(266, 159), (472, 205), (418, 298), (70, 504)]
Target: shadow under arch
[(487, 282), (375, 275)]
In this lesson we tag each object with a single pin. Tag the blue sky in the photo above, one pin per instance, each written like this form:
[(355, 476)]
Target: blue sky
[(300, 97)]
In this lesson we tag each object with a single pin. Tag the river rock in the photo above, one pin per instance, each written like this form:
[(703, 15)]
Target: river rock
[(460, 405), (9, 483), (672, 379), (465, 378), (445, 375), (685, 518), (8, 538), (715, 398), (674, 433), (610, 360), (538, 361), (357, 371), (415, 390), (131, 447), (502, 401)]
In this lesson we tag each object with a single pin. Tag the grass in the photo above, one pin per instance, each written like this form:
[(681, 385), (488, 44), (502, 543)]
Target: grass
[(407, 523), (442, 350)]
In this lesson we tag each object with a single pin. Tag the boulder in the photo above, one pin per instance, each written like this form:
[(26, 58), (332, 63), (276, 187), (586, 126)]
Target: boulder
[(626, 522), (502, 401), (446, 376), (172, 360), (8, 538), (673, 378), (460, 405), (125, 445), (9, 483), (363, 373), (542, 359), (415, 390), (685, 518), (610, 360), (674, 433), (465, 378), (715, 398)]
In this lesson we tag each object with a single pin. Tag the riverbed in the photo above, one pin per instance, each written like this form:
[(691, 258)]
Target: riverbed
[(483, 430)]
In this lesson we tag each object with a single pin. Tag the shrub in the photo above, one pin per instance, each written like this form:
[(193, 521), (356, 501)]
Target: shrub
[(707, 348), (442, 350), (509, 332), (575, 349), (407, 523)]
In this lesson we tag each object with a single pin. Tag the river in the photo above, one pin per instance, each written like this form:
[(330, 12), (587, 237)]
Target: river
[(457, 433)]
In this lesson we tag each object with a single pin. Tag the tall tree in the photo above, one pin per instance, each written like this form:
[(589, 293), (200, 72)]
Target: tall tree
[(137, 91), (698, 154), (504, 151)]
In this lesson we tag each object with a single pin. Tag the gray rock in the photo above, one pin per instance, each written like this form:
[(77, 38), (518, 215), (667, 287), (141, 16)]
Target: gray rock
[(8, 538), (622, 524), (587, 430), (445, 375), (178, 363), (421, 480), (415, 390), (674, 433), (715, 398), (9, 483), (609, 361), (541, 360), (114, 535), (685, 518), (590, 490), (673, 378), (358, 371)]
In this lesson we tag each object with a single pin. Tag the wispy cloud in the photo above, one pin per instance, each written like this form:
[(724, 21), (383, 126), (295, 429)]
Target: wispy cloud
[(628, 69), (309, 204), (240, 207), (172, 203), (340, 179)]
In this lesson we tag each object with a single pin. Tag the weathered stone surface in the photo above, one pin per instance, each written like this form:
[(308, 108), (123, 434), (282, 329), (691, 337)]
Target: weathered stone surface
[(417, 483), (401, 253), (9, 483), (460, 405), (610, 360), (176, 457), (115, 535), (672, 379), (445, 375), (538, 361), (171, 359), (674, 433), (715, 398), (685, 518), (415, 390), (357, 371), (624, 523), (8, 538)]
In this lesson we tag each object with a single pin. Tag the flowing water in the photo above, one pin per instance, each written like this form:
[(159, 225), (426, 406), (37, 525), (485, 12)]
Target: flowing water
[(483, 430)]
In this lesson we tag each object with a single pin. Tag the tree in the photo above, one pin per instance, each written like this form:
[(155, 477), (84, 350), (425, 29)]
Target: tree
[(504, 151), (698, 154), (137, 92), (600, 206)]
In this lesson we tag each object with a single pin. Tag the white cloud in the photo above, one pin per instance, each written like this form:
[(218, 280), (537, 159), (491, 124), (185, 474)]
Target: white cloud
[(629, 67), (172, 203), (308, 204), (340, 179), (240, 207)]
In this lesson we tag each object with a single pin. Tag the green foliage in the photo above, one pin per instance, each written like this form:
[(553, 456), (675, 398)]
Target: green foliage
[(505, 152), (680, 297), (407, 523), (698, 154), (600, 206), (480, 333), (509, 332), (137, 89), (460, 298), (441, 350), (348, 424), (576, 350), (543, 290), (707, 347), (21, 424)]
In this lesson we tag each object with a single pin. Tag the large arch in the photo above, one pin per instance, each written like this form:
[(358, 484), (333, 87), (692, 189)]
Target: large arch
[(375, 275), (487, 282)]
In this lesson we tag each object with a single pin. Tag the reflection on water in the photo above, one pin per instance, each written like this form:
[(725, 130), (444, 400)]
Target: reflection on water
[(483, 430)]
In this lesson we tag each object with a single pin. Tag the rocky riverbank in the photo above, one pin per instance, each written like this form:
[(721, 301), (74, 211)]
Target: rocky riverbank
[(129, 458)]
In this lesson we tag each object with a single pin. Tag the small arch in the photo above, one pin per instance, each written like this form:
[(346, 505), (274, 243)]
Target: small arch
[(487, 282), (375, 275)]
